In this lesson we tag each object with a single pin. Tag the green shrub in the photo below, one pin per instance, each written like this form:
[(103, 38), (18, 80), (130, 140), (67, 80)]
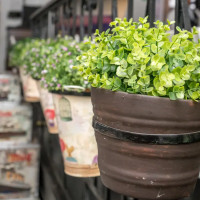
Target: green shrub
[(134, 58)]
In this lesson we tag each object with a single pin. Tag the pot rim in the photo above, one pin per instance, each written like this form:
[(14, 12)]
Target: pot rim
[(146, 96), (71, 93)]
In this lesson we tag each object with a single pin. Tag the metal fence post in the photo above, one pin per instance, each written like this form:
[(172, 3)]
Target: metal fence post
[(182, 15), (151, 11), (100, 5), (130, 9)]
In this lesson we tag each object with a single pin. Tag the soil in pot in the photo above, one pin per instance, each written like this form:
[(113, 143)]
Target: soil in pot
[(77, 139), (148, 147)]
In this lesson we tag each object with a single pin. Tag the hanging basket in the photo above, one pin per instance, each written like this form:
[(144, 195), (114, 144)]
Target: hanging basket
[(31, 93), (148, 147), (46, 100), (77, 140)]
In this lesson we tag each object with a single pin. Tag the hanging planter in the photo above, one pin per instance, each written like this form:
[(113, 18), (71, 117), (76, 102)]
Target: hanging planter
[(148, 146), (146, 118), (46, 100), (77, 140), (31, 93)]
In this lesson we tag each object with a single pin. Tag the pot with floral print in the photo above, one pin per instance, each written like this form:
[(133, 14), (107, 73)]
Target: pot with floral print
[(46, 100), (77, 139), (31, 93)]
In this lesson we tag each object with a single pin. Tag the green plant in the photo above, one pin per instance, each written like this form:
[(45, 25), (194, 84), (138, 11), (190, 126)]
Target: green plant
[(59, 69), (134, 58), (18, 52)]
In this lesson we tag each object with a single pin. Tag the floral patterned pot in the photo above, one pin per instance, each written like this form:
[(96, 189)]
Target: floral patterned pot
[(46, 100), (31, 93), (77, 140)]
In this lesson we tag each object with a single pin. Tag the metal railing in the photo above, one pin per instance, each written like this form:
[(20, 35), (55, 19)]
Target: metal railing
[(61, 16)]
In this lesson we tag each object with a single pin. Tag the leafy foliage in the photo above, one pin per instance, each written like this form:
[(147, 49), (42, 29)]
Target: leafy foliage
[(18, 52), (134, 58), (51, 61), (59, 69)]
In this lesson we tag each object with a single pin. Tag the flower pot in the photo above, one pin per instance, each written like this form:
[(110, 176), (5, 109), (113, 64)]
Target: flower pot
[(10, 88), (148, 147), (46, 100), (77, 139), (31, 93)]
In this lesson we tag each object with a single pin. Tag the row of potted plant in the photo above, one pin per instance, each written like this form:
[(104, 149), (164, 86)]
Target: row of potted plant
[(65, 98), (145, 92)]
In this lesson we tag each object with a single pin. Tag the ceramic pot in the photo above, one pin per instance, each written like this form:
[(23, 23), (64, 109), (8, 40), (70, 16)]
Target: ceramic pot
[(77, 139)]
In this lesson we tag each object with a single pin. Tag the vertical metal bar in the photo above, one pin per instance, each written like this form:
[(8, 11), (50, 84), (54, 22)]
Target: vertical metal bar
[(151, 6), (74, 18), (63, 17), (198, 4), (186, 18), (177, 15), (182, 15), (100, 4), (114, 9), (51, 26), (90, 20), (82, 32), (130, 9), (68, 17)]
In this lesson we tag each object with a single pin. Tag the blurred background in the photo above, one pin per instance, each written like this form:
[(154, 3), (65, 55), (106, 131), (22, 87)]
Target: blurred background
[(19, 155)]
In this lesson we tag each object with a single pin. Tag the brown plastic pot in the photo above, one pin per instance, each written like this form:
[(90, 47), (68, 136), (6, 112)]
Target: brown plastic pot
[(148, 147)]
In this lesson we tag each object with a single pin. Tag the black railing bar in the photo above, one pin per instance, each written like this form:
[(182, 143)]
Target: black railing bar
[(51, 26), (52, 5), (82, 31), (151, 12), (48, 167), (90, 20), (100, 5), (74, 17), (44, 24), (198, 4), (185, 12), (68, 17), (177, 15), (63, 7), (114, 9), (92, 189), (130, 9), (182, 15)]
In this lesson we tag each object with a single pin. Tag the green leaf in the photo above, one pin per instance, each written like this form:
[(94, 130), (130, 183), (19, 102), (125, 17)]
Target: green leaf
[(154, 48), (117, 82), (121, 72), (172, 95)]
